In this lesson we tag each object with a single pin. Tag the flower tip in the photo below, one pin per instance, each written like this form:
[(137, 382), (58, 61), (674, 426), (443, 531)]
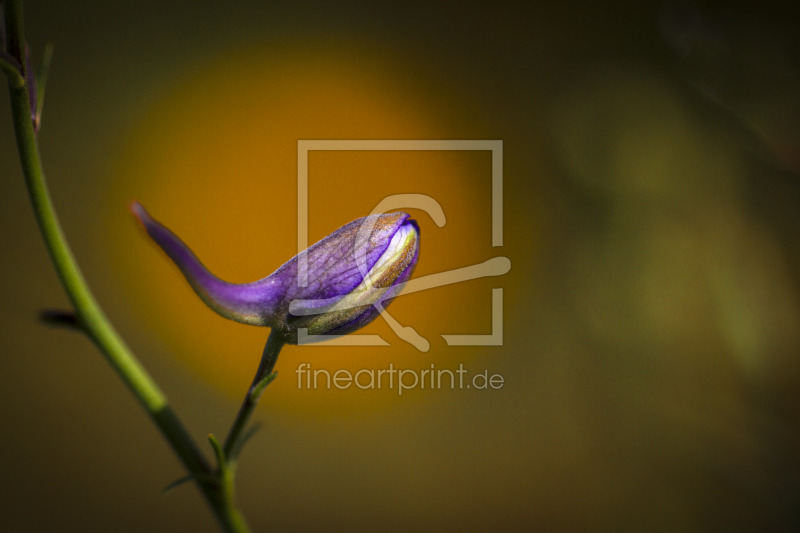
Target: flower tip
[(414, 224), (139, 212)]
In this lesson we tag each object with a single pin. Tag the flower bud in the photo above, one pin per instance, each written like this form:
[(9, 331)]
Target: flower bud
[(351, 275)]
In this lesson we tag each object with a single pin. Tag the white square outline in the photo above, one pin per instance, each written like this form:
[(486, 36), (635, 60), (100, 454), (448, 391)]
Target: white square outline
[(304, 146)]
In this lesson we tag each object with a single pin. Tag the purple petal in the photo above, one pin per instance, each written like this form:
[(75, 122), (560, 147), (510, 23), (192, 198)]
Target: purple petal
[(350, 273), (250, 303)]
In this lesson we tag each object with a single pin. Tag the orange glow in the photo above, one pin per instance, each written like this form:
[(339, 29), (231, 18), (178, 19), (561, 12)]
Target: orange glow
[(215, 159)]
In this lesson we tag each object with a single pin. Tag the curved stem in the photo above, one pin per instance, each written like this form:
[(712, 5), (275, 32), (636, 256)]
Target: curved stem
[(90, 316), (263, 377)]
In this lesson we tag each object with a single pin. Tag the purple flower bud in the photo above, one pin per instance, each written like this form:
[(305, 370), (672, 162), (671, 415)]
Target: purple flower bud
[(352, 274)]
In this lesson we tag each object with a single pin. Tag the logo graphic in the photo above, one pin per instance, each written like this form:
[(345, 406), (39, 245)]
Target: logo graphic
[(496, 266)]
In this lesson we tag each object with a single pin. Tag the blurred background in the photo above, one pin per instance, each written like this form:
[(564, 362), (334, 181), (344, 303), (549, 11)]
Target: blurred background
[(651, 354)]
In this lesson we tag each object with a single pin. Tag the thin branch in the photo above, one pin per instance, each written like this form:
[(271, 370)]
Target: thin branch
[(88, 312), (264, 376)]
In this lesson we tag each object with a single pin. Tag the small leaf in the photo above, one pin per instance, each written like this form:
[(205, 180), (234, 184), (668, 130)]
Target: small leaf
[(219, 451), (61, 318), (180, 481), (41, 82), (177, 483), (255, 428), (258, 389)]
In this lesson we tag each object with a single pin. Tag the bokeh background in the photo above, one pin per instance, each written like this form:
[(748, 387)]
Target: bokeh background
[(651, 350)]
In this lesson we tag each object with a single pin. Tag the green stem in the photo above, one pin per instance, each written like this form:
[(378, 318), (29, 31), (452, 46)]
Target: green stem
[(263, 377), (225, 475), (90, 316)]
